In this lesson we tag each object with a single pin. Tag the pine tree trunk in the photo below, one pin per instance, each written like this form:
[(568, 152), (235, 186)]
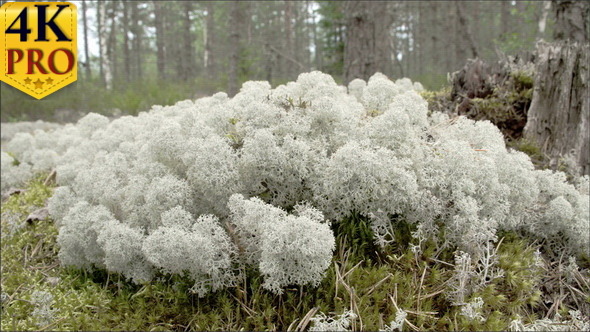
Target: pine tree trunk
[(100, 43), (288, 37), (112, 41), (103, 40), (188, 61), (235, 37), (86, 50), (160, 46), (558, 119), (126, 54), (137, 32), (466, 29), (367, 48), (209, 59)]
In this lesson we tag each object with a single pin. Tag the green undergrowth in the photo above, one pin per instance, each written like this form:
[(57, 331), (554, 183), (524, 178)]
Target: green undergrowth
[(82, 97), (371, 284)]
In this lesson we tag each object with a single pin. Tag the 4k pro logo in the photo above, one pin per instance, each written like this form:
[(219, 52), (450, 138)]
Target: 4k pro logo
[(38, 45)]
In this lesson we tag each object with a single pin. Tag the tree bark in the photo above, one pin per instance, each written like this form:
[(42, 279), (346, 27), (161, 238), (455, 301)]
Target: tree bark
[(187, 60), (543, 18), (235, 48), (466, 29), (103, 39), (571, 20), (112, 42), (318, 52), (288, 37), (126, 54), (160, 46), (367, 48), (504, 20), (209, 58), (100, 43), (87, 68), (137, 32), (558, 119)]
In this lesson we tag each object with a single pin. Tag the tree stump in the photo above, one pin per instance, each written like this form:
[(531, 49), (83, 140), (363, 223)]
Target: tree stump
[(558, 119)]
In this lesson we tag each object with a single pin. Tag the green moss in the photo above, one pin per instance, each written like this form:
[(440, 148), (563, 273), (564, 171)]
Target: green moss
[(525, 145), (522, 81)]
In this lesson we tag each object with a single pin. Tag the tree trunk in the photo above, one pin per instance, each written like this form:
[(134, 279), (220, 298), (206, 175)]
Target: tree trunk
[(86, 50), (100, 43), (466, 29), (112, 42), (188, 60), (571, 20), (235, 49), (137, 32), (160, 46), (420, 37), (126, 55), (504, 20), (318, 52), (434, 51), (558, 119), (367, 48), (543, 18), (209, 59), (288, 37), (103, 39)]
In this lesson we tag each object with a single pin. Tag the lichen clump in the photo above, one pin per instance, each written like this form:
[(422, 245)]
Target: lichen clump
[(203, 188)]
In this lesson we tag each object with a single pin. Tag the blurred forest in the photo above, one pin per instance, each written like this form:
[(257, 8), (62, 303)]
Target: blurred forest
[(133, 54)]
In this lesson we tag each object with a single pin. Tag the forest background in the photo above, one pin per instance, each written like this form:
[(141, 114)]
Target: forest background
[(133, 54)]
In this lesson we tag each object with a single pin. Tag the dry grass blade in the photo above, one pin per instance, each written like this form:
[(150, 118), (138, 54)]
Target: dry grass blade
[(430, 314), (351, 293), (420, 289), (50, 178), (352, 269), (306, 319), (379, 283), (432, 294), (249, 311)]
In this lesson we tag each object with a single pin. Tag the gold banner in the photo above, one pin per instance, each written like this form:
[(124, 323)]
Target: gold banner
[(39, 46)]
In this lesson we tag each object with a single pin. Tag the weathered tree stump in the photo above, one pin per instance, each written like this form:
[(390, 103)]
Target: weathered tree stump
[(559, 116)]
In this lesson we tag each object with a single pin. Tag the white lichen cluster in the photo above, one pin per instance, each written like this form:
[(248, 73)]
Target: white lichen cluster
[(337, 323), (43, 313), (398, 323), (12, 173), (151, 192), (576, 322)]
